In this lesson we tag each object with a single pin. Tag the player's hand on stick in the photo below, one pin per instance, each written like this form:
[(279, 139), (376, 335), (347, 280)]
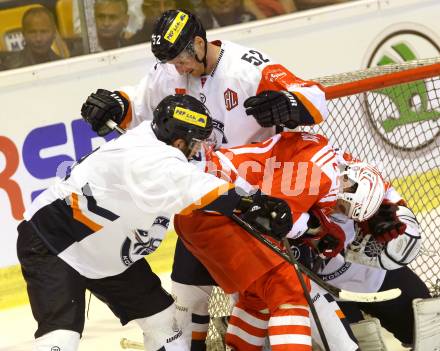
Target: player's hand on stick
[(270, 215), (103, 106), (325, 236), (384, 225), (274, 108)]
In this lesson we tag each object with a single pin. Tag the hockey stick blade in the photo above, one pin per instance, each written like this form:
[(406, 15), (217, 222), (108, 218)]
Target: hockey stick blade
[(335, 291), (130, 344), (369, 297)]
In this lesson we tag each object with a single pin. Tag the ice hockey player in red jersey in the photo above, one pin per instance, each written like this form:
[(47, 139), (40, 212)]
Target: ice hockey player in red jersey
[(309, 173), (92, 229)]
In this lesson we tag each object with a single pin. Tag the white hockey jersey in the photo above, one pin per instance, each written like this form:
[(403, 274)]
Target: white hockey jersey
[(240, 73), (115, 206)]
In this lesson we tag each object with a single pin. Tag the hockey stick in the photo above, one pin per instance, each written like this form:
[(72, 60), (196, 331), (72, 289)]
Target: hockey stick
[(129, 344), (307, 295), (335, 291)]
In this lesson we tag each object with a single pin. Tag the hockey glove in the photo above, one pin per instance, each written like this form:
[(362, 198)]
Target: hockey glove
[(325, 236), (384, 225), (269, 215), (274, 108), (102, 106)]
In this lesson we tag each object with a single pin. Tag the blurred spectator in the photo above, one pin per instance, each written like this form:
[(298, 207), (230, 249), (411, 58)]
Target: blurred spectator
[(152, 9), (310, 4), (200, 9), (111, 19), (269, 8), (49, 4), (228, 12), (39, 30)]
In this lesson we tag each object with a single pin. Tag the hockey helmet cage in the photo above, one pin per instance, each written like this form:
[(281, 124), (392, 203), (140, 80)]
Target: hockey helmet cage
[(181, 117), (172, 33), (362, 190)]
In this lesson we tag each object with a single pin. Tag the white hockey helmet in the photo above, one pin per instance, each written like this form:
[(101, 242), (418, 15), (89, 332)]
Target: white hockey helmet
[(362, 190)]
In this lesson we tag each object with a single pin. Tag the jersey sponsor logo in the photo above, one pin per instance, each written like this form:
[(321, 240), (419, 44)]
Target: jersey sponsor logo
[(178, 335), (337, 273), (202, 97), (180, 91), (189, 116), (231, 99), (176, 27), (409, 112), (276, 75)]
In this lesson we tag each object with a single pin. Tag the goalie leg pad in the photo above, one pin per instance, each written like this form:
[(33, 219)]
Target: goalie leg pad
[(63, 340), (369, 335), (161, 331), (427, 324)]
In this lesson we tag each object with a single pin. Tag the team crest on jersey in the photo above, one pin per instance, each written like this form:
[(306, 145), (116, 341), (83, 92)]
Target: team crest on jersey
[(191, 117), (231, 99), (146, 241)]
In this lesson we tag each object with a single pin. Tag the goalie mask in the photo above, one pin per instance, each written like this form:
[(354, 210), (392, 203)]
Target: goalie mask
[(173, 33), (182, 117), (361, 191)]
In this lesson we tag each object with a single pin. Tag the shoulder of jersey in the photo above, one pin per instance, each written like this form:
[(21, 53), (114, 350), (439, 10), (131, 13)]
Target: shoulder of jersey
[(244, 58)]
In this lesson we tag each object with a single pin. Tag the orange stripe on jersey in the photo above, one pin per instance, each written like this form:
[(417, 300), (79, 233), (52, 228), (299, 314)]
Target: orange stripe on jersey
[(198, 335), (129, 115), (340, 314), (80, 217), (314, 112), (207, 199)]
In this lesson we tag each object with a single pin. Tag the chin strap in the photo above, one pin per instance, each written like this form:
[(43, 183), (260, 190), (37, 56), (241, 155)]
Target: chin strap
[(203, 60)]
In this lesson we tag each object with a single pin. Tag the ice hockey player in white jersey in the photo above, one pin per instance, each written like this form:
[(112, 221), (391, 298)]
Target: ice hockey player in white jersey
[(234, 82), (92, 229)]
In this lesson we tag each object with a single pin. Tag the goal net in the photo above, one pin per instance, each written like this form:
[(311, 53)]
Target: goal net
[(389, 116)]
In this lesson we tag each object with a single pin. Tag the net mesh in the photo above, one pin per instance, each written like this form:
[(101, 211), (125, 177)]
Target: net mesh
[(397, 129)]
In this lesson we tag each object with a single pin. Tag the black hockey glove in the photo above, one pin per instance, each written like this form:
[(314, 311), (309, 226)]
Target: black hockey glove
[(384, 225), (274, 108), (269, 215), (102, 106)]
